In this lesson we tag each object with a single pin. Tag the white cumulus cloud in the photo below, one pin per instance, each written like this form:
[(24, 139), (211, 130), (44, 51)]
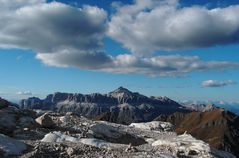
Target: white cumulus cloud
[(150, 25), (50, 27)]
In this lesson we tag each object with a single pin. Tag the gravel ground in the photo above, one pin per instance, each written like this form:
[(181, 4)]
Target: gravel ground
[(120, 139)]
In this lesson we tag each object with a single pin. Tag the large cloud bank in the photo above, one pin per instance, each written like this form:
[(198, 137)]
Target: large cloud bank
[(66, 36)]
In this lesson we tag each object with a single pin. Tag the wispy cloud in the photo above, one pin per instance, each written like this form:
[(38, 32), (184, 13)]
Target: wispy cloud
[(173, 65), (27, 93), (215, 83)]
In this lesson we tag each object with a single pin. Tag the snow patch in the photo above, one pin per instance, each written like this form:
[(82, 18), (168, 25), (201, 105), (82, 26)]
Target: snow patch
[(185, 143), (58, 137), (154, 125), (101, 143)]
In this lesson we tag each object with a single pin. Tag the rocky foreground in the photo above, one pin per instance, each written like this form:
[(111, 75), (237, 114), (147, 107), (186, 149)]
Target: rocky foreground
[(27, 134)]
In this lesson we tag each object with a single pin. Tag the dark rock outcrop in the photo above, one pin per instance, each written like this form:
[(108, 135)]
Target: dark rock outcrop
[(12, 118), (4, 103)]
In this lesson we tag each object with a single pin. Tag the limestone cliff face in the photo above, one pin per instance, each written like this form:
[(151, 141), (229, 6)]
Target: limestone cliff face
[(122, 105)]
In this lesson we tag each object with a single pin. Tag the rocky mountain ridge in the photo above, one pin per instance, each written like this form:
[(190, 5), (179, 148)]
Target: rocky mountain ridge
[(199, 107), (126, 106), (218, 127)]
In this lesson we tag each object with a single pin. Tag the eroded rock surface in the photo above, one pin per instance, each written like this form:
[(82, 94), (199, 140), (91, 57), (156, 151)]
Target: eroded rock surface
[(73, 136), (45, 121)]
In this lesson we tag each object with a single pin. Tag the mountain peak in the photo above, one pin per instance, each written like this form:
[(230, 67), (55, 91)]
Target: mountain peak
[(122, 90)]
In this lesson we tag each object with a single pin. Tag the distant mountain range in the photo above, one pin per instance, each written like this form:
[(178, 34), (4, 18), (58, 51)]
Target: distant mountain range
[(120, 105), (123, 105), (199, 107), (230, 106), (233, 107)]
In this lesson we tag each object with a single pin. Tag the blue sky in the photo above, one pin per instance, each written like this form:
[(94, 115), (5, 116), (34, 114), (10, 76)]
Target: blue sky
[(29, 69)]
